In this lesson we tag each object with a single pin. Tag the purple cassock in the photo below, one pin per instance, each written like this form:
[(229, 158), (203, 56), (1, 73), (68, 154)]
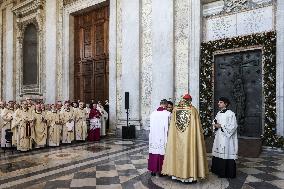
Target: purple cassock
[(159, 122)]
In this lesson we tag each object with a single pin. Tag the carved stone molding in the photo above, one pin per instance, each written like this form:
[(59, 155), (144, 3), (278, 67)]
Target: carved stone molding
[(236, 5), (227, 7), (29, 12), (67, 2)]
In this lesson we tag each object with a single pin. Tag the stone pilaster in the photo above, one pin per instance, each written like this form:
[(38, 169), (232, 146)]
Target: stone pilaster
[(146, 61), (194, 50), (181, 25), (162, 48), (280, 67), (59, 45), (112, 64), (119, 91), (9, 59), (50, 50)]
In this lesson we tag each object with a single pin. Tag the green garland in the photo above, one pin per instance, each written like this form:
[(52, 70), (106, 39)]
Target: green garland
[(268, 43)]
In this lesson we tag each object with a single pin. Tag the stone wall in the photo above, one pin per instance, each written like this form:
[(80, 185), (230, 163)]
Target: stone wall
[(154, 48)]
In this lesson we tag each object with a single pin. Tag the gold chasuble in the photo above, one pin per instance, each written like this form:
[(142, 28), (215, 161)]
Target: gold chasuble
[(54, 128), (40, 129), (80, 124), (67, 119), (185, 156), (24, 122)]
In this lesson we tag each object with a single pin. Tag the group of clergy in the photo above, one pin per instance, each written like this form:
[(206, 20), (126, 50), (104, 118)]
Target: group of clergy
[(177, 147), (36, 125)]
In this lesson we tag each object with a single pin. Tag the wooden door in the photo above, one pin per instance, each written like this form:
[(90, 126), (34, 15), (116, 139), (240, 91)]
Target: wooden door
[(91, 55)]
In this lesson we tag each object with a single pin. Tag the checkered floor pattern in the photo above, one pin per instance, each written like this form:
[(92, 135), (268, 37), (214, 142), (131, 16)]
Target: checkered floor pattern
[(129, 171), (108, 175)]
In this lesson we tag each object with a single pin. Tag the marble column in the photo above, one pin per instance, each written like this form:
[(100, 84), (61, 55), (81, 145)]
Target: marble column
[(280, 67), (194, 50), (112, 65), (9, 59), (162, 48), (130, 58), (50, 51)]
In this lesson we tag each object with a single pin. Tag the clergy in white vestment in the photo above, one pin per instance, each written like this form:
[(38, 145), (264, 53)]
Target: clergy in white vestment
[(104, 118), (159, 124), (6, 117), (2, 107), (225, 147)]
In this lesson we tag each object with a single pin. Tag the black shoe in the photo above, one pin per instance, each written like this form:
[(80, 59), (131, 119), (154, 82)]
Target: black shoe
[(153, 174), (161, 175)]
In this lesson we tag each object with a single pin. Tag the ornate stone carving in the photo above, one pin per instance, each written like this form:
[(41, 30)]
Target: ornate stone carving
[(225, 7), (238, 24), (236, 5), (67, 2), (27, 12)]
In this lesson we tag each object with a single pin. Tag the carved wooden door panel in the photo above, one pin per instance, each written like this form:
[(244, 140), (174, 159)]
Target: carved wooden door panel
[(238, 76), (91, 55)]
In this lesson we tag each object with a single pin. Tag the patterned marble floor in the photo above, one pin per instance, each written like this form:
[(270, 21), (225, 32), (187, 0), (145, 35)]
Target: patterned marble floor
[(113, 163)]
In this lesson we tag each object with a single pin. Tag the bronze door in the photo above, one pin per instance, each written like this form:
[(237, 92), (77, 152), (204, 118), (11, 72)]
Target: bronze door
[(238, 76), (91, 55)]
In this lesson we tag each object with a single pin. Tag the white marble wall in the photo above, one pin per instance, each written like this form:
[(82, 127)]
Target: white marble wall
[(50, 50), (280, 68), (238, 24), (130, 58), (9, 60), (163, 53)]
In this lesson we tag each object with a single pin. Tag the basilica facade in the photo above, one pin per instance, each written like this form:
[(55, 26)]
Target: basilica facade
[(154, 49)]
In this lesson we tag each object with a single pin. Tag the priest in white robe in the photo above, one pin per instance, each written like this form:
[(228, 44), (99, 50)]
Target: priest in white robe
[(104, 118), (225, 147), (7, 116), (159, 124)]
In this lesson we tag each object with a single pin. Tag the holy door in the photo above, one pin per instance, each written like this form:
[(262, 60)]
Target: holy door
[(238, 76), (91, 72)]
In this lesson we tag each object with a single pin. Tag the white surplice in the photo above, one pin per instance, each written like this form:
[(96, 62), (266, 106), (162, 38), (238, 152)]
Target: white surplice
[(159, 125), (226, 138)]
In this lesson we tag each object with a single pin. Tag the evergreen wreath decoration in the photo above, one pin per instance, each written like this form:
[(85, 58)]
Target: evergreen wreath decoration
[(265, 40)]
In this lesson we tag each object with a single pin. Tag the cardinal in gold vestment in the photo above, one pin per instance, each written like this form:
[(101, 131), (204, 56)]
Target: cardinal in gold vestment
[(185, 157)]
